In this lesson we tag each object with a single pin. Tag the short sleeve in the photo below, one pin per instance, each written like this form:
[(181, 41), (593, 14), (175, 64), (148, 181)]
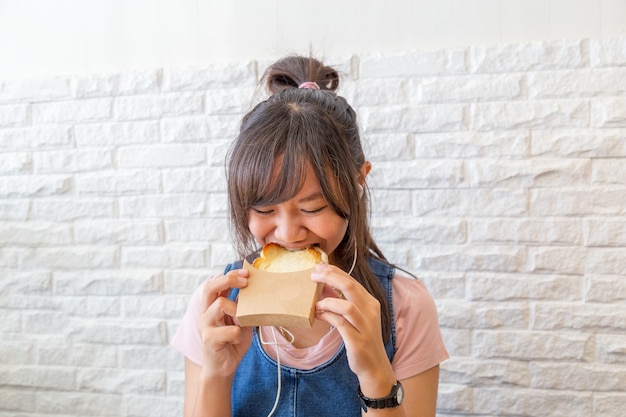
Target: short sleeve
[(419, 345)]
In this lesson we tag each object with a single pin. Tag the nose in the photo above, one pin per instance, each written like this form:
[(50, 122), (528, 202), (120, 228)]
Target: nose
[(288, 229)]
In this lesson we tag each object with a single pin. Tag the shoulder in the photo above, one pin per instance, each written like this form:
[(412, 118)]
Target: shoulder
[(411, 293)]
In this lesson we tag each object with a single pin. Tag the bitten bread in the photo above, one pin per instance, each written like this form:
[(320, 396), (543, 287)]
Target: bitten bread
[(275, 258), (280, 291)]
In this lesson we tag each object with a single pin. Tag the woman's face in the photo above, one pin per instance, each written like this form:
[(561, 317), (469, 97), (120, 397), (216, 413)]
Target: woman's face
[(304, 220)]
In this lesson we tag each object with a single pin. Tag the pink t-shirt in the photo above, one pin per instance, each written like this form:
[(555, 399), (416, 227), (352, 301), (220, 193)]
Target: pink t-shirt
[(419, 345)]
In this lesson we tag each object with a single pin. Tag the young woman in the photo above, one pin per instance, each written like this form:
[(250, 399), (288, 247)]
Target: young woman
[(297, 177)]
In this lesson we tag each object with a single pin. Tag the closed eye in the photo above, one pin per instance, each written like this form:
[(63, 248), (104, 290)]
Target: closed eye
[(314, 210)]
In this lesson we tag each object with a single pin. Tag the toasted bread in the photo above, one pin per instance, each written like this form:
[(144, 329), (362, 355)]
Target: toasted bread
[(275, 258)]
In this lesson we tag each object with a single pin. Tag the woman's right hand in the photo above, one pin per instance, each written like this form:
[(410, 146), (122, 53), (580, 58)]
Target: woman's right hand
[(224, 342)]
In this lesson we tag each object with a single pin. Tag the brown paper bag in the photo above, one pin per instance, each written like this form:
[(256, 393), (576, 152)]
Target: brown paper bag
[(284, 299)]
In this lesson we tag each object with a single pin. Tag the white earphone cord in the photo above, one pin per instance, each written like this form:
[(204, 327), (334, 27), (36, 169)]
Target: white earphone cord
[(275, 343)]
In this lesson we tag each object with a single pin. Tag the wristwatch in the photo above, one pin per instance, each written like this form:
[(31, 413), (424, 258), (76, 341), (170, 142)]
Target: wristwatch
[(392, 400)]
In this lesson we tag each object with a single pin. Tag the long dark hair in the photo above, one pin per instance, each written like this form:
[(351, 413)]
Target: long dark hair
[(296, 127)]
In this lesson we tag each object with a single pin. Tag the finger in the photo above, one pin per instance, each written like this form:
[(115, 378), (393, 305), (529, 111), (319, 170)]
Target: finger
[(218, 287), (341, 283)]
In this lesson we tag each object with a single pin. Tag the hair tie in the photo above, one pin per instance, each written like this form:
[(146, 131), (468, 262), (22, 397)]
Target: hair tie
[(309, 84)]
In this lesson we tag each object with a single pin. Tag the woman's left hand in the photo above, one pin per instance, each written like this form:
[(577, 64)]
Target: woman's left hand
[(356, 315)]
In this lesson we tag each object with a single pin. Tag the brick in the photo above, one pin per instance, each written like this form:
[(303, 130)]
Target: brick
[(384, 92), (410, 230), (553, 231), (14, 210), (557, 260), (143, 357), (414, 119), (608, 113), (605, 232), (78, 403), (466, 315), (118, 182), (529, 56), (156, 306), (545, 114), (606, 261), (496, 202), (514, 287), (34, 89), (17, 163), (142, 107), (17, 400), (161, 156), (184, 205), (217, 75), (36, 233), (578, 376), (38, 377), (609, 404), (200, 179), (476, 258), (200, 128), (389, 147), (11, 321), (607, 52), (16, 353), (577, 84), (390, 202), (71, 209), (561, 202), (170, 256), (536, 345), (471, 372), (472, 88), (117, 381), (527, 173), (575, 316), (39, 138), (118, 231), (611, 348), (83, 355), (35, 185), (453, 398), (195, 230), (152, 406), (72, 111), (444, 285), (605, 288), (107, 282), (127, 332), (609, 172), (420, 174), (518, 402), (235, 101), (119, 133), (513, 144), (70, 257), (14, 115), (580, 143), (127, 83), (66, 161)]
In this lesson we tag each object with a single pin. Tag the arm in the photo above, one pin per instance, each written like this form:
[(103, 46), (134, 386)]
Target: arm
[(203, 397), (224, 343), (357, 316)]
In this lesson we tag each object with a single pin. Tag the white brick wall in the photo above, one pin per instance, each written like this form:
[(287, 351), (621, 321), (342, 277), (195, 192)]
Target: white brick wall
[(499, 177)]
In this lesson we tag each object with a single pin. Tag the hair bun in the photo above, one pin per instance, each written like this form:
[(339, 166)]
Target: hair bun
[(293, 71)]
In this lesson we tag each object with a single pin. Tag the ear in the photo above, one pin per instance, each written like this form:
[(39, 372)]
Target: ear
[(365, 169)]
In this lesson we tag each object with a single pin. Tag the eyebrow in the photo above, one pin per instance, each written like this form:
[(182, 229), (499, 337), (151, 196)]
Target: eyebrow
[(311, 197)]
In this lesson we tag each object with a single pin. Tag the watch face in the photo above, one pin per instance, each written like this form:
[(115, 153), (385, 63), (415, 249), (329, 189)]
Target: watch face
[(400, 393)]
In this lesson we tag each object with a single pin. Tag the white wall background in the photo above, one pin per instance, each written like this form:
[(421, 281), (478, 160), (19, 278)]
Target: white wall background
[(49, 37), (499, 178)]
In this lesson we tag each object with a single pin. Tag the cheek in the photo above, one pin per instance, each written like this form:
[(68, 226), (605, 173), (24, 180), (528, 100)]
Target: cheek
[(257, 227)]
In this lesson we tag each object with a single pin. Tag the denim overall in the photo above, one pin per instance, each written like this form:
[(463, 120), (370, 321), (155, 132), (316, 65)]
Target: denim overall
[(329, 390)]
